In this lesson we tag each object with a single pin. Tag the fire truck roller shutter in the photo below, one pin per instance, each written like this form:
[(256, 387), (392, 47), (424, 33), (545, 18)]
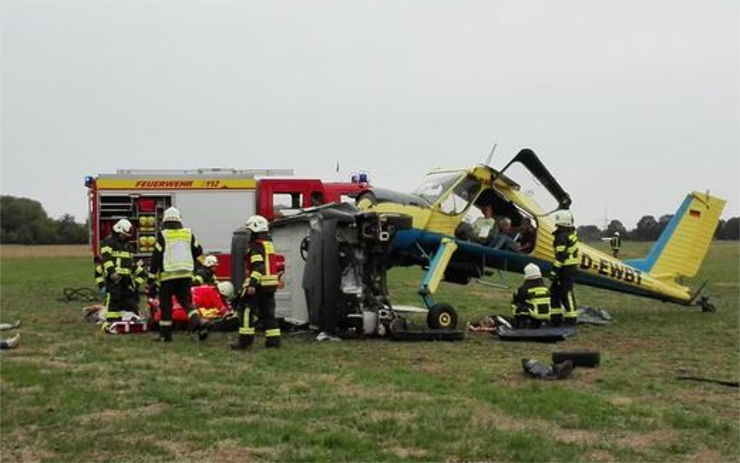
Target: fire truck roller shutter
[(213, 214)]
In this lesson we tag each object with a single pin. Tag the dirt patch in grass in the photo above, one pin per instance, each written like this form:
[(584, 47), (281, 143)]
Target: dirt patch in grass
[(344, 387), (20, 445), (485, 416), (19, 251), (647, 440), (108, 416), (704, 454), (600, 455), (405, 452), (621, 401), (401, 417)]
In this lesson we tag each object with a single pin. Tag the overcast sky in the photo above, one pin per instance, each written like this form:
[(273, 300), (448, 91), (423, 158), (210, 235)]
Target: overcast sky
[(630, 104)]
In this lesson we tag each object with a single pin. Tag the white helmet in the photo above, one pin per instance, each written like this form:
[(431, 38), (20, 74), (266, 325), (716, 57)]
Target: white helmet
[(210, 261), (226, 289), (172, 215), (563, 218), (616, 233), (257, 224), (532, 272), (123, 227)]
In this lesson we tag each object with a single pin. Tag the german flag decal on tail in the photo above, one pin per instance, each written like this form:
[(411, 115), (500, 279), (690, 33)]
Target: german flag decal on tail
[(681, 247)]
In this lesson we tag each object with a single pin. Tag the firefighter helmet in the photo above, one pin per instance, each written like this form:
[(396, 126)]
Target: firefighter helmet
[(226, 289), (563, 218), (532, 272), (172, 214), (123, 227), (210, 261), (616, 233), (257, 224)]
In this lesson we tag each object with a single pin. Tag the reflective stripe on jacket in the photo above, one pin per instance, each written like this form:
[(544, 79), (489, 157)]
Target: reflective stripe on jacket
[(116, 256), (262, 264), (533, 296), (566, 247), (177, 258)]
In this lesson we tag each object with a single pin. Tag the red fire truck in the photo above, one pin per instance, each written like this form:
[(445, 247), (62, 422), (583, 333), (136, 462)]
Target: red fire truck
[(213, 203)]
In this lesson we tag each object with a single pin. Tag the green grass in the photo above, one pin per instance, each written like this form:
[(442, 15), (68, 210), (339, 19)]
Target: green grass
[(70, 393)]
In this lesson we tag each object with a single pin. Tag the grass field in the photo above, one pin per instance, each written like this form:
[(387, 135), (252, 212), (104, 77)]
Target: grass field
[(70, 393)]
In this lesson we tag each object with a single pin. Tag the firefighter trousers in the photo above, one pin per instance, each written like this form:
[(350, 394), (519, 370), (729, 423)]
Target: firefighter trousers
[(180, 288), (562, 296), (262, 307), (122, 297)]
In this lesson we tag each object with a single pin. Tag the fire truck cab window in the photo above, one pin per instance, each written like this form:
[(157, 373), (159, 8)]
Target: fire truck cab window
[(283, 201)]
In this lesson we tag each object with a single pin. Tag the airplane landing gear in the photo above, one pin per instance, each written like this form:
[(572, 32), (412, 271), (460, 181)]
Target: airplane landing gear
[(705, 305)]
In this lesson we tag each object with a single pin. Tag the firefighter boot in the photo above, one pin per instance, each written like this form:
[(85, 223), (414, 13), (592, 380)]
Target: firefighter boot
[(165, 333), (244, 342), (272, 342), (197, 325)]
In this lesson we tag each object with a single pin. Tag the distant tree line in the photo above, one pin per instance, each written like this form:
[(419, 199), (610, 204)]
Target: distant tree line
[(24, 221), (649, 229)]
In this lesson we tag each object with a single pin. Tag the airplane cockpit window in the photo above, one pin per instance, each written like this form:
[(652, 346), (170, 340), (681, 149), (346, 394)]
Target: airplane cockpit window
[(530, 186), (436, 184), (462, 195), (515, 229)]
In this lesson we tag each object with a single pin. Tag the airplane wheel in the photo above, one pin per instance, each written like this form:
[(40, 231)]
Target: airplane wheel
[(442, 317)]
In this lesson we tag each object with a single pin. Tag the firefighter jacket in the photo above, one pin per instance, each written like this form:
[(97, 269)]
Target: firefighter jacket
[(116, 256), (174, 255), (615, 242), (204, 276), (566, 248), (262, 266), (139, 275), (532, 299)]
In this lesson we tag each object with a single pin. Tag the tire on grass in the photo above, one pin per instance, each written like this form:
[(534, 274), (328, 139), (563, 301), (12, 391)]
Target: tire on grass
[(580, 358)]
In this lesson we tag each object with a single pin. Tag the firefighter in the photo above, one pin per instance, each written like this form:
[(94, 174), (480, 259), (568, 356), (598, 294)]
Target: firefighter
[(116, 262), (257, 295), (99, 276), (531, 303), (615, 242), (172, 266), (206, 273), (563, 269)]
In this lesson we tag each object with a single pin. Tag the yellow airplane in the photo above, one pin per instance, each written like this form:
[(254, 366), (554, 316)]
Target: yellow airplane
[(439, 206)]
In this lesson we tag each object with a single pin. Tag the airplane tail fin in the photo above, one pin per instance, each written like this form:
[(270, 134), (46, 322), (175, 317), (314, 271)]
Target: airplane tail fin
[(681, 247)]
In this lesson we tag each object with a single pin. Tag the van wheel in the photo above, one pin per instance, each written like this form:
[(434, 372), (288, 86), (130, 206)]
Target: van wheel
[(442, 317), (305, 243)]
